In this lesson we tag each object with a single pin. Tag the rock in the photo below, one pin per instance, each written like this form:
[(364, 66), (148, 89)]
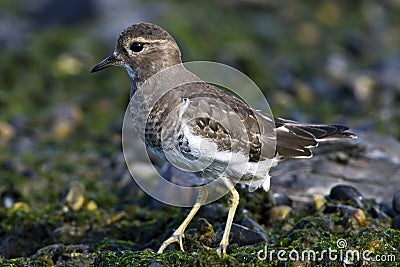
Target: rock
[(75, 196), (91, 206), (319, 202), (358, 219), (346, 193), (253, 225), (240, 235), (396, 201)]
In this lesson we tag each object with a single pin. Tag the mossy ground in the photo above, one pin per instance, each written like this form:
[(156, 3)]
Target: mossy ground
[(61, 124)]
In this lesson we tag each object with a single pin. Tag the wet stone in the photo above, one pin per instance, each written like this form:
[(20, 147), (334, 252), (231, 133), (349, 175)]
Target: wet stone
[(346, 193), (240, 235), (396, 201), (358, 219), (249, 223)]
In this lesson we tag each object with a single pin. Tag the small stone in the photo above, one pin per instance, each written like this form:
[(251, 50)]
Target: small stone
[(319, 202), (75, 197), (346, 193), (91, 206), (396, 201), (279, 213), (358, 219)]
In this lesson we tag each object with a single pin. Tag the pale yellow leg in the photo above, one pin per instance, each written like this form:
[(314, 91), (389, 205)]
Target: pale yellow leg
[(178, 235), (234, 201)]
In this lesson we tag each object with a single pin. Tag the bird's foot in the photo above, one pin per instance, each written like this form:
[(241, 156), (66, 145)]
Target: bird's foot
[(177, 236)]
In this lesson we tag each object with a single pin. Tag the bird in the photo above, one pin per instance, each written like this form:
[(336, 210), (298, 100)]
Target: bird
[(144, 50)]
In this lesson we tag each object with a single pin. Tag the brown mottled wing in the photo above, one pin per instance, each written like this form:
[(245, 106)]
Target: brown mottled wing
[(257, 129), (295, 139)]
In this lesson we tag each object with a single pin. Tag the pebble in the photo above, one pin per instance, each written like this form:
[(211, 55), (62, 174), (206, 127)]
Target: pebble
[(319, 202), (396, 201), (91, 206), (75, 196), (346, 193), (279, 213), (358, 219)]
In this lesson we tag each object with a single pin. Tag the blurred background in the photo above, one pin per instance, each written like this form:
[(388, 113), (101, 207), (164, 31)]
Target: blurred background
[(315, 61)]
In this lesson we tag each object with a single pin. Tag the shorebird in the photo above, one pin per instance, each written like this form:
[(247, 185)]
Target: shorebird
[(144, 50)]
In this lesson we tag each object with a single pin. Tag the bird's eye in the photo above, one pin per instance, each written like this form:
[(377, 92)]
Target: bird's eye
[(136, 47)]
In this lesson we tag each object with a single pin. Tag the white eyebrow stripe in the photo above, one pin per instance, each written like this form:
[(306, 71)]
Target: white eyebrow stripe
[(144, 40)]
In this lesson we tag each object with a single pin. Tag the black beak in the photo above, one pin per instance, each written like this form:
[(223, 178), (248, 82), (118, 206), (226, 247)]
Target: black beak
[(110, 61)]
